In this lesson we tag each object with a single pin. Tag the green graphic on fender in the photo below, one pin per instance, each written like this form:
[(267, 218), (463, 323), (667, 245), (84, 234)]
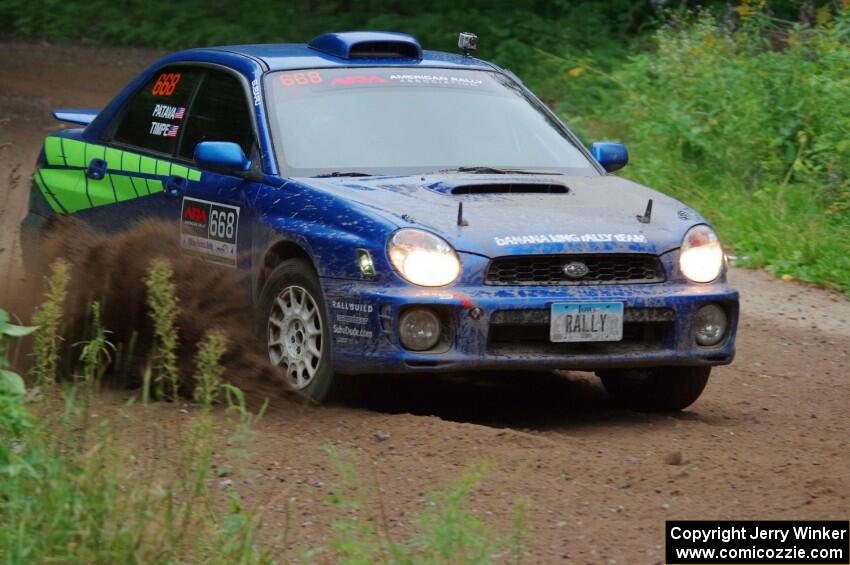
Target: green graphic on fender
[(83, 175)]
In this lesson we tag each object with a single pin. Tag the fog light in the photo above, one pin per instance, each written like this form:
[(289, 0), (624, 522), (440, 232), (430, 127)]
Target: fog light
[(419, 329), (710, 324)]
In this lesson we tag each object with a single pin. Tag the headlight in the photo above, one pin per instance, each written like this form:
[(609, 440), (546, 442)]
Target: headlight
[(701, 255), (419, 329), (423, 258), (710, 325)]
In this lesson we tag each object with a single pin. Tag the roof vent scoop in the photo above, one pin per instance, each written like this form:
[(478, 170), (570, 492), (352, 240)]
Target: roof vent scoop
[(368, 45)]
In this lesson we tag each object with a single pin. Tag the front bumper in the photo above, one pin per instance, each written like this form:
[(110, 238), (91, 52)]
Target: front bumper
[(512, 331)]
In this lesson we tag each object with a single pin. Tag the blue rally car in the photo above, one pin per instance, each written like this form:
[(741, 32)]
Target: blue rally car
[(403, 211)]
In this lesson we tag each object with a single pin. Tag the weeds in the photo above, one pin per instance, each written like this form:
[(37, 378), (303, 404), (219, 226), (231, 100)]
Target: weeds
[(162, 299), (447, 531), (13, 417), (208, 383), (89, 503), (753, 134), (75, 494), (49, 318), (96, 353)]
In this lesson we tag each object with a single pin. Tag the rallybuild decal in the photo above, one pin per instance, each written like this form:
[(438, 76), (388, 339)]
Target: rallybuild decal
[(570, 238), (209, 229), (351, 319)]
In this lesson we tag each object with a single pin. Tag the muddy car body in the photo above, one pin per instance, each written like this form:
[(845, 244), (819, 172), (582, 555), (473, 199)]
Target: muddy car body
[(403, 211)]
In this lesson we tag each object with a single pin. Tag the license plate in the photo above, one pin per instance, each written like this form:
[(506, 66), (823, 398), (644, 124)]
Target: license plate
[(586, 321)]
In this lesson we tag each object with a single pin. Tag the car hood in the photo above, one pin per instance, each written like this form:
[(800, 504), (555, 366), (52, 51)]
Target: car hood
[(587, 214)]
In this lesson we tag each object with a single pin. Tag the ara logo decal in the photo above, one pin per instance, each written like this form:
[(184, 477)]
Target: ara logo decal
[(358, 79), (195, 214)]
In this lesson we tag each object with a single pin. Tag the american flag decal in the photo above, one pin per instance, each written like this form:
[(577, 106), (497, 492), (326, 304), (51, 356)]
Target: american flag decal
[(172, 131), (178, 115)]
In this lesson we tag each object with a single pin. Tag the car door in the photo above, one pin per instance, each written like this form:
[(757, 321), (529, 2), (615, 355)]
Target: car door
[(125, 177), (216, 214)]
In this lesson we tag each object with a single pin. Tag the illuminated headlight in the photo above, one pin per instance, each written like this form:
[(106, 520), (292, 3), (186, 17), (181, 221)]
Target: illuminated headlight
[(423, 258), (701, 255), (710, 325)]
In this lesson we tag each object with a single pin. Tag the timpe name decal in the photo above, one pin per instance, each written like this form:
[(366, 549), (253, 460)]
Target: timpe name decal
[(167, 112), (570, 238), (163, 130)]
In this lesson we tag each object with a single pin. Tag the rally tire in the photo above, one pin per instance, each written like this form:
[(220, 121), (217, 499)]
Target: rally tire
[(293, 324), (660, 389)]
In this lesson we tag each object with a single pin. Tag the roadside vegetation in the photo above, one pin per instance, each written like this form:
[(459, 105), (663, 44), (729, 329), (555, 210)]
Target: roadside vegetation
[(739, 109), (73, 490), (750, 126)]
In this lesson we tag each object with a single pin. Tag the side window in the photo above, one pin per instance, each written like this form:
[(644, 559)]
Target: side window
[(220, 112), (155, 116)]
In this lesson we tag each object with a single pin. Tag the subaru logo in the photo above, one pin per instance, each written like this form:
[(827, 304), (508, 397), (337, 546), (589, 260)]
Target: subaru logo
[(575, 270)]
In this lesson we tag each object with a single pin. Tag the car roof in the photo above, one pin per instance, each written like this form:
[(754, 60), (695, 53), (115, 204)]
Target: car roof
[(347, 49)]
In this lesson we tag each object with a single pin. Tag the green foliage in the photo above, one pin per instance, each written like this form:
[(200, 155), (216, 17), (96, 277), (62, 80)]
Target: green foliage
[(70, 493), (48, 317), (200, 23), (162, 300), (752, 132), (13, 416), (96, 353), (208, 383), (447, 531)]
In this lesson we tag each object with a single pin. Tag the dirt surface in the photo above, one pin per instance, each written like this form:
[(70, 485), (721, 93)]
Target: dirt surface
[(768, 439)]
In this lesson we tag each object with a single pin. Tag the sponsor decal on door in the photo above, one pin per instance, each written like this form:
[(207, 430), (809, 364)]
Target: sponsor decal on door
[(209, 229)]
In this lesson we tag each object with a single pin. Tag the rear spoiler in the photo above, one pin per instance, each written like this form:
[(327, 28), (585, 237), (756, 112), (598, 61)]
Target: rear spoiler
[(75, 116)]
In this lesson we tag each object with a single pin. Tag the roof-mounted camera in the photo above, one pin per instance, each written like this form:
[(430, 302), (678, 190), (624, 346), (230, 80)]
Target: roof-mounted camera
[(468, 42)]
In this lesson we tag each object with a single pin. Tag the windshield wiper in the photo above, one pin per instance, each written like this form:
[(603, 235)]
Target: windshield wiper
[(495, 171), (342, 174)]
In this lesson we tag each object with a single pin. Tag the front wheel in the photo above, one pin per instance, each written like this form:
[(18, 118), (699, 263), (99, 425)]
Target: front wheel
[(294, 324), (660, 389)]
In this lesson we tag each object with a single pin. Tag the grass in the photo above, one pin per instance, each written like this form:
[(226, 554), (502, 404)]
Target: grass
[(446, 531), (73, 490), (48, 317), (162, 299), (751, 132), (69, 488), (208, 376)]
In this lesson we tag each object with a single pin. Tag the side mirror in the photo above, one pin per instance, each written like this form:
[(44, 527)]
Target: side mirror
[(612, 155), (223, 155)]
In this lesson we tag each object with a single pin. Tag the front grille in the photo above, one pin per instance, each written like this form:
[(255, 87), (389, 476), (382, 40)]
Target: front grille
[(524, 332), (541, 317), (607, 268)]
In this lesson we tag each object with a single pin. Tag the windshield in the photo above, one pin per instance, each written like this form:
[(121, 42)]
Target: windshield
[(386, 121)]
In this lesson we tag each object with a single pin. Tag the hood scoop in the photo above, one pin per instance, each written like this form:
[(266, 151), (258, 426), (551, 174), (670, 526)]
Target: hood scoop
[(510, 188)]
